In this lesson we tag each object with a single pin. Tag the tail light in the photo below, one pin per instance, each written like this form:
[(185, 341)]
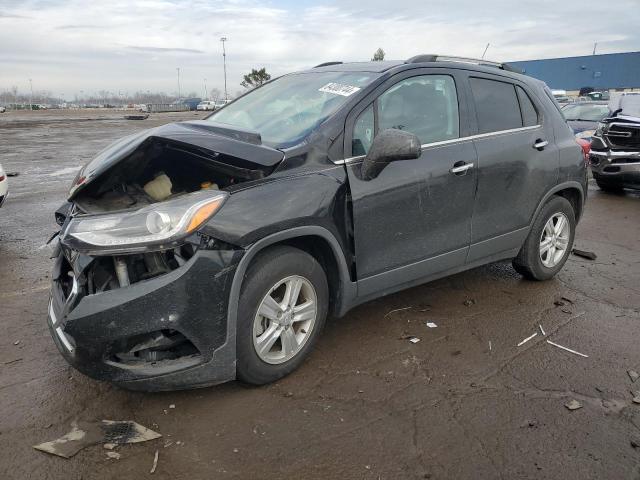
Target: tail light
[(586, 147)]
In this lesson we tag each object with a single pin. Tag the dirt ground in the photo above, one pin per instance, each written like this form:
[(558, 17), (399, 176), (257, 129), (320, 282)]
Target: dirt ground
[(463, 403)]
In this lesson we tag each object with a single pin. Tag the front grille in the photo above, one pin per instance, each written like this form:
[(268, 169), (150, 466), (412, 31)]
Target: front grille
[(624, 136)]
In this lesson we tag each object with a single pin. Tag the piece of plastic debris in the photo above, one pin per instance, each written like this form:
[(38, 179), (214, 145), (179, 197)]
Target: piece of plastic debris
[(633, 375), (489, 345), (567, 349), (397, 310), (172, 405), (636, 397), (114, 455), (84, 434), (431, 325), (235, 450), (109, 446), (584, 254), (542, 331), (414, 339), (527, 339), (573, 405), (17, 342), (155, 462)]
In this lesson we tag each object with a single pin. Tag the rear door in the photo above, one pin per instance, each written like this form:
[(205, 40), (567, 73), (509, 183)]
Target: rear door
[(517, 163), (414, 219)]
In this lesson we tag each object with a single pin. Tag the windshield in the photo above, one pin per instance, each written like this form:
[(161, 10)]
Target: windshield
[(586, 112), (289, 108)]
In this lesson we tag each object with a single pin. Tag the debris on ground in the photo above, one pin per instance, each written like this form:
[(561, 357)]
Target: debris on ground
[(542, 331), (527, 339), (17, 342), (414, 339), (566, 310), (114, 455), (288, 394), (489, 345), (109, 446), (567, 349), (635, 442), (136, 117), (633, 375), (431, 325), (155, 462), (12, 174), (85, 434), (173, 405), (573, 405), (469, 302), (397, 310), (584, 254), (636, 397)]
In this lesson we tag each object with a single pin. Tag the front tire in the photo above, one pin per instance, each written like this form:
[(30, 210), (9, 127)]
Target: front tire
[(282, 310), (549, 242)]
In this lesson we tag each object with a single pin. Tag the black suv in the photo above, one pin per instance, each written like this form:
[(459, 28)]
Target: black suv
[(203, 251)]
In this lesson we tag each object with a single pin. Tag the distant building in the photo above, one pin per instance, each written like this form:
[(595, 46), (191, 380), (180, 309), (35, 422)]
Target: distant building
[(612, 71)]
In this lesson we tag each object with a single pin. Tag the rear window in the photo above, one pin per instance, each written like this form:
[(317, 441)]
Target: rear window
[(497, 106)]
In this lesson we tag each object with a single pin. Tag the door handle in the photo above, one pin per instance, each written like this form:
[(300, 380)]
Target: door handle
[(460, 168), (540, 144)]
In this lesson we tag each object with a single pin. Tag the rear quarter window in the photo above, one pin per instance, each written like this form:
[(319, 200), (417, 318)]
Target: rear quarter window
[(529, 113)]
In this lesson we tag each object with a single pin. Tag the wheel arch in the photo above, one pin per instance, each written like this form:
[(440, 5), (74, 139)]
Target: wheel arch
[(573, 191), (318, 242)]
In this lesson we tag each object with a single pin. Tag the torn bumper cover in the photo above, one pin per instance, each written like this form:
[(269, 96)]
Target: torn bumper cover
[(163, 333)]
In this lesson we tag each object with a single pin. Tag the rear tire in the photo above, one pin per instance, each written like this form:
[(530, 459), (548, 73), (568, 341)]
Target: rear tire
[(549, 242), (275, 331), (609, 187)]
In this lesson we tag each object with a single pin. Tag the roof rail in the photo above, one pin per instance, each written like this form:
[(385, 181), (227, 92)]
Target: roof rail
[(473, 61), (326, 64)]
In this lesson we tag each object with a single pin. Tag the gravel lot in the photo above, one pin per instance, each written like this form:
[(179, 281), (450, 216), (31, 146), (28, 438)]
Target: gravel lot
[(368, 404)]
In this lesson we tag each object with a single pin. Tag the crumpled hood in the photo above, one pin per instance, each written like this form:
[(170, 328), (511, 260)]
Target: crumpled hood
[(582, 125), (238, 147)]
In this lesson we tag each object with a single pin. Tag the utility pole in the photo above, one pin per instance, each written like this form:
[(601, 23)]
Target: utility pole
[(179, 95), (224, 63), (485, 51), (31, 96), (206, 97), (595, 45)]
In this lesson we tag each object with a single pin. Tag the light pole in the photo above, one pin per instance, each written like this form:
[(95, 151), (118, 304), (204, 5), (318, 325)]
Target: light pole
[(31, 96), (179, 96), (205, 90), (224, 63)]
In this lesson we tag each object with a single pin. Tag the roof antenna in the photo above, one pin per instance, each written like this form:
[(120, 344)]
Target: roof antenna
[(594, 48), (485, 51)]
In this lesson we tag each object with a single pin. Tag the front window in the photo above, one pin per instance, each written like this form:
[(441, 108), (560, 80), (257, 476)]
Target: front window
[(585, 112), (289, 108)]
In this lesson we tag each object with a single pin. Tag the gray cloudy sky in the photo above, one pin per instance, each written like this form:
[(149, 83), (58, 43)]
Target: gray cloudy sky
[(68, 46)]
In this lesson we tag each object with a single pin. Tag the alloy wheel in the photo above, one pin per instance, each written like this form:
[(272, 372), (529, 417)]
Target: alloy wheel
[(554, 240), (284, 320)]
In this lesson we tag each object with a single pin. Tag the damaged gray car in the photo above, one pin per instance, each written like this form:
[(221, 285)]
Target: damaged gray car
[(199, 252)]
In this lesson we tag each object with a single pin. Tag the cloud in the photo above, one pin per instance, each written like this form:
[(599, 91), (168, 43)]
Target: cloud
[(164, 50), (129, 45)]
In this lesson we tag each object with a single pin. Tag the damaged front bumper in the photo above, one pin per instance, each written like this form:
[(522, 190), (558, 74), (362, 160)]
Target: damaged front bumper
[(620, 167), (162, 333)]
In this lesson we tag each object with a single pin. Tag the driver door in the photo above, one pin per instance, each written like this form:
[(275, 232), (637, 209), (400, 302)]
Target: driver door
[(414, 219)]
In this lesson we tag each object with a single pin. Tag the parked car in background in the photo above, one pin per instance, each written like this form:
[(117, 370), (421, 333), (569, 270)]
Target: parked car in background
[(221, 102), (206, 105), (583, 117), (3, 109), (4, 186), (615, 146), (203, 251)]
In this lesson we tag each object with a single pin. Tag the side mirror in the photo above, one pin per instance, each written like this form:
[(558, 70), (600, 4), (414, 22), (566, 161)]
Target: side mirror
[(388, 146)]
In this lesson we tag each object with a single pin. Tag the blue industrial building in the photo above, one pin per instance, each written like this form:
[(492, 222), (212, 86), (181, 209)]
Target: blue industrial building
[(611, 71)]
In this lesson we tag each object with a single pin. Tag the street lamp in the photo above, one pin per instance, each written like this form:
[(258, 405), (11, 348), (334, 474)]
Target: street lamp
[(179, 96), (31, 96), (205, 89), (224, 62)]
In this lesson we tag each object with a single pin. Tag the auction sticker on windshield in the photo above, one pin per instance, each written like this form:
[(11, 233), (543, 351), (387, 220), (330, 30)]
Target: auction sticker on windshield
[(339, 89)]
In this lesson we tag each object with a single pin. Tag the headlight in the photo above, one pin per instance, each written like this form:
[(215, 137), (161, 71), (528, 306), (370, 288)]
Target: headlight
[(158, 225), (586, 134)]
